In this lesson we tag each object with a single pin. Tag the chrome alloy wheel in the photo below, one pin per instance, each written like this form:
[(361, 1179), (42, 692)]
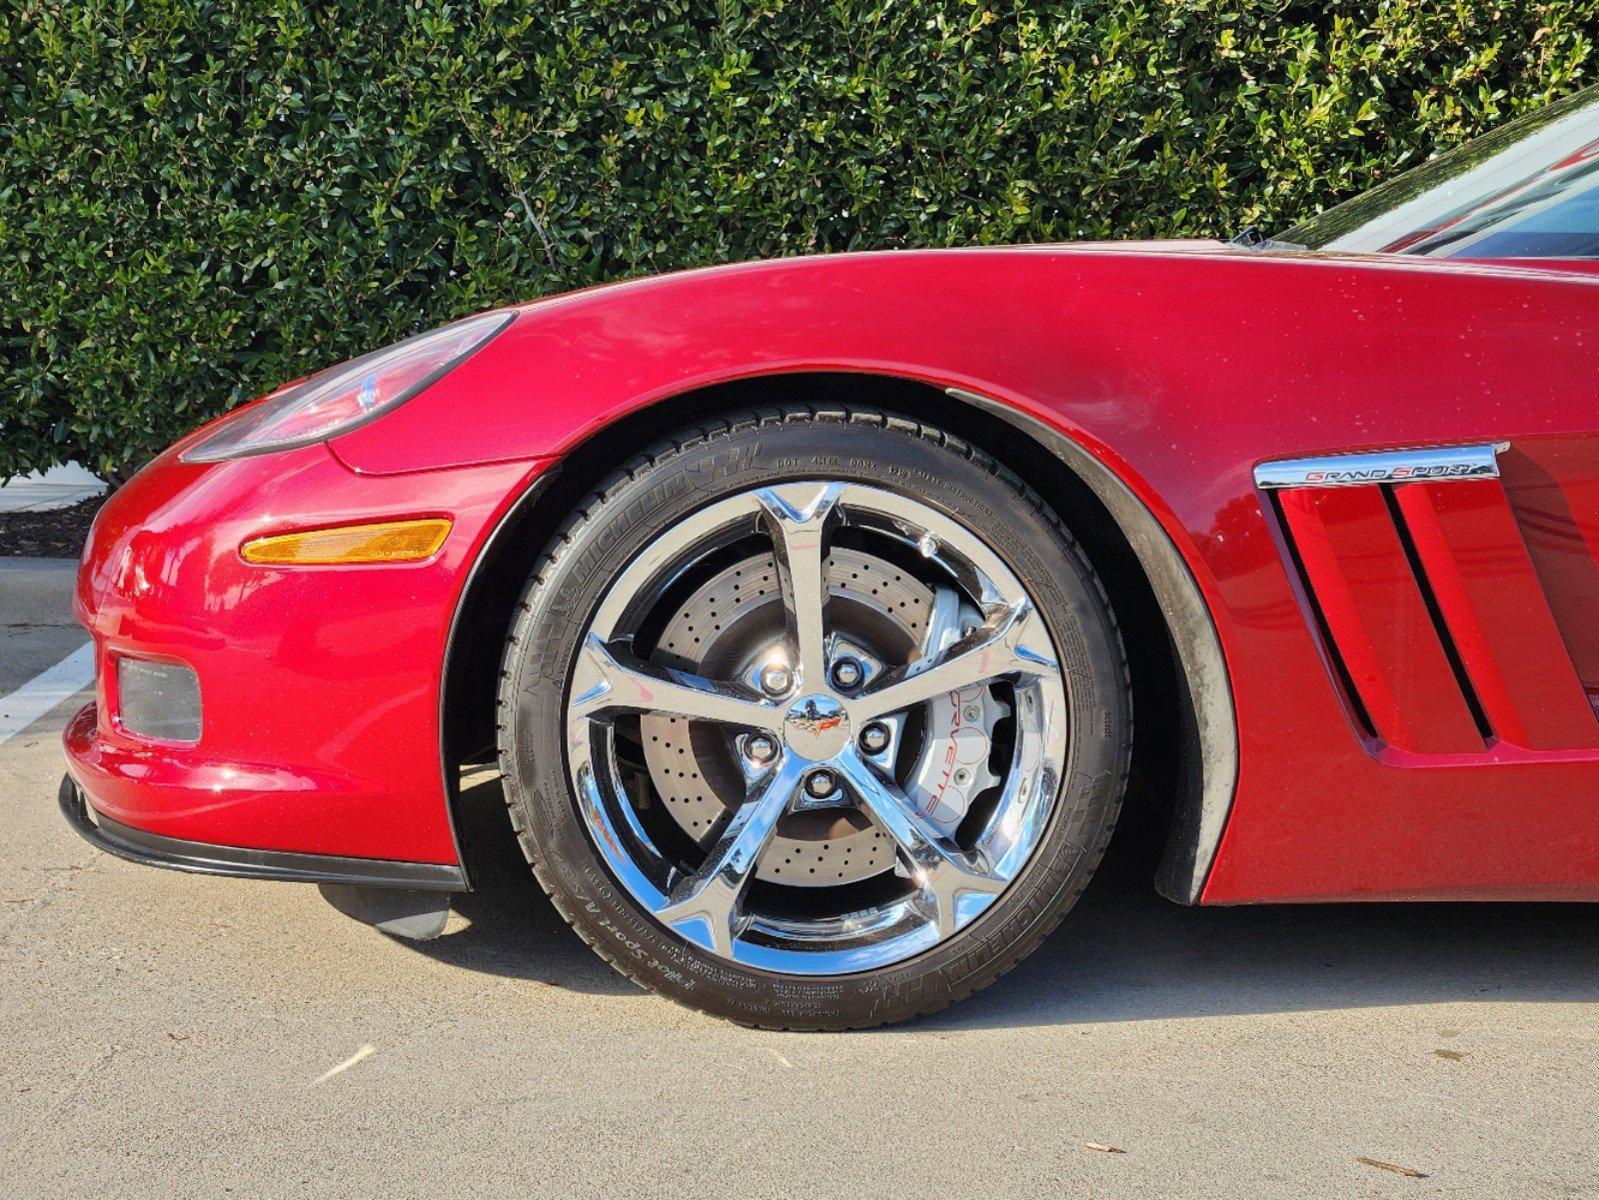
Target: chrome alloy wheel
[(817, 727)]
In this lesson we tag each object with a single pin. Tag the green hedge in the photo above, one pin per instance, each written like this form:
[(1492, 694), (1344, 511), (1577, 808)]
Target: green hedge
[(198, 200)]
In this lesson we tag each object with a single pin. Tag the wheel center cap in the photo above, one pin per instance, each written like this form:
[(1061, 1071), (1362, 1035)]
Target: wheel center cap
[(816, 727)]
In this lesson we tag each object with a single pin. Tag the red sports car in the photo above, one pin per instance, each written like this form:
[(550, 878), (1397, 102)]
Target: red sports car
[(818, 610)]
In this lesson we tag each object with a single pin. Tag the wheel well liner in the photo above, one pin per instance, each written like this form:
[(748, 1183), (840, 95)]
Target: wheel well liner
[(1185, 754)]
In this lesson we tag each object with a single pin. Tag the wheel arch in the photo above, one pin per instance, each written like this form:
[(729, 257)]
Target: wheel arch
[(1185, 756)]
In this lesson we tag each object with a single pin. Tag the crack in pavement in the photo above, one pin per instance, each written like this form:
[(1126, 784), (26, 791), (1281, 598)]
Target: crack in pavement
[(46, 893)]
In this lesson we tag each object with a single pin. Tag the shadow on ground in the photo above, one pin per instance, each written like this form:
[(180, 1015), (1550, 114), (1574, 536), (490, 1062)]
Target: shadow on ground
[(1124, 953)]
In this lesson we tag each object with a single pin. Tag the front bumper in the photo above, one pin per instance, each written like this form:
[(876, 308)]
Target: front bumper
[(153, 850), (320, 688)]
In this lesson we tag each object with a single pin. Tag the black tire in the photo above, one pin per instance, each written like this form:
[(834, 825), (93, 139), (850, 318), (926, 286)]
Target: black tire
[(690, 470)]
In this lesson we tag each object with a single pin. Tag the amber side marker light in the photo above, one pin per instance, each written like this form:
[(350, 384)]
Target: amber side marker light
[(378, 542)]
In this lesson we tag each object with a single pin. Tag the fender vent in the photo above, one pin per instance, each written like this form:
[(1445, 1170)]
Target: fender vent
[(1431, 613)]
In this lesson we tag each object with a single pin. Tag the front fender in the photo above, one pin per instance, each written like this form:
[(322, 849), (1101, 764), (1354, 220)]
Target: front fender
[(1177, 371)]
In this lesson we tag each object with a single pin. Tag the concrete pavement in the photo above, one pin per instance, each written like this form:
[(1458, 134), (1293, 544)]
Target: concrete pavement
[(56, 488), (37, 628), (168, 1034)]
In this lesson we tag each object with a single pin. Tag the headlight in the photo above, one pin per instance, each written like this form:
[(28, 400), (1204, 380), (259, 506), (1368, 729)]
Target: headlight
[(340, 398)]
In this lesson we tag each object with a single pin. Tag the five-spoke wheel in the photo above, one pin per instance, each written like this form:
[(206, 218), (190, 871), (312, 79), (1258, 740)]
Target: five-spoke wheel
[(809, 689)]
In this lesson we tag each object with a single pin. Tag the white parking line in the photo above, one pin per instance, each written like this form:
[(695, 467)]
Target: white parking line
[(46, 690)]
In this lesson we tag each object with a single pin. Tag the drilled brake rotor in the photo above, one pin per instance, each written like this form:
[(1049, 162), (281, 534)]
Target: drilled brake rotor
[(729, 623)]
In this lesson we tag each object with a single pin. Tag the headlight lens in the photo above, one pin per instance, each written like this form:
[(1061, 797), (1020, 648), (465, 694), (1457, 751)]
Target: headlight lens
[(340, 398)]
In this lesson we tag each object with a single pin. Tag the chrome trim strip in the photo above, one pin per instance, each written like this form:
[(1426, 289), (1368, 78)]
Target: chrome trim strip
[(1443, 465)]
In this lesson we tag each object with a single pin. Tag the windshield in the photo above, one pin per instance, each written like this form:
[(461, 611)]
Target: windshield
[(1527, 190)]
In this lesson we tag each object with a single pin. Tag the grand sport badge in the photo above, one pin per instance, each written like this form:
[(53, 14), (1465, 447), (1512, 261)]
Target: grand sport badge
[(1387, 466)]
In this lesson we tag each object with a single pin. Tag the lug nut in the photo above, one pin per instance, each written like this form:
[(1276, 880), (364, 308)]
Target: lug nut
[(776, 679), (821, 784), (874, 738), (760, 748), (848, 673)]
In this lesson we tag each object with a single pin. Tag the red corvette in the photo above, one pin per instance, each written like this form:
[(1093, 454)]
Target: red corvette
[(817, 611)]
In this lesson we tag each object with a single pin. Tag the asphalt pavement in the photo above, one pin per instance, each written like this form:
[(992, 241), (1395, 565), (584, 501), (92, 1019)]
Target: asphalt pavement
[(165, 1034)]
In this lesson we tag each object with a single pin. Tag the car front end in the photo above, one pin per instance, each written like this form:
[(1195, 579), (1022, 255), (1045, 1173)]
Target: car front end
[(268, 648)]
